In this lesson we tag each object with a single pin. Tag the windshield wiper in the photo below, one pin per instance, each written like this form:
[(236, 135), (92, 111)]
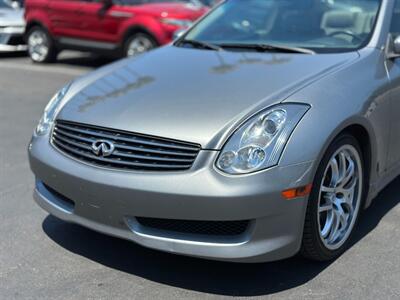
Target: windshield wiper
[(267, 48), (198, 44)]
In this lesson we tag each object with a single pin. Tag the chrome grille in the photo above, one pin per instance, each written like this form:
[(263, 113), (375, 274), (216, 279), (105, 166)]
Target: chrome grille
[(132, 151)]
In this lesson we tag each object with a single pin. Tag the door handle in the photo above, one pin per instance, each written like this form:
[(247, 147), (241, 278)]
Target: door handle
[(121, 14)]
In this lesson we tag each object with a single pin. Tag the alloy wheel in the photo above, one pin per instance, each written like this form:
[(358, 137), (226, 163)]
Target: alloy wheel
[(340, 197), (138, 45), (38, 45)]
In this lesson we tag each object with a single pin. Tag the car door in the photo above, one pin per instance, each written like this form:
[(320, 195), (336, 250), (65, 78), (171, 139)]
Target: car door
[(101, 22), (64, 17), (393, 67)]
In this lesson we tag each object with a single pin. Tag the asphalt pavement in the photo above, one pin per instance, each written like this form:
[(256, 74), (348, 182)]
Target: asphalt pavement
[(42, 257)]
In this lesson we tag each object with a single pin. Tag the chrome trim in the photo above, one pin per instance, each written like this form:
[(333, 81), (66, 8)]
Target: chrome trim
[(129, 150), (86, 43)]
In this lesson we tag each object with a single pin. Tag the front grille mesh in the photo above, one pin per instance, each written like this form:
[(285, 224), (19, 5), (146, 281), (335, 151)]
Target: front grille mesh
[(132, 151), (214, 228), (16, 40)]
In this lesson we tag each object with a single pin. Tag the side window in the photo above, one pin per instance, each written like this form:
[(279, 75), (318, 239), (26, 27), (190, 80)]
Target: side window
[(395, 27)]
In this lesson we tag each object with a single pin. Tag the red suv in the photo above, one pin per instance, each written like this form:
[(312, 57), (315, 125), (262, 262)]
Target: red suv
[(117, 27)]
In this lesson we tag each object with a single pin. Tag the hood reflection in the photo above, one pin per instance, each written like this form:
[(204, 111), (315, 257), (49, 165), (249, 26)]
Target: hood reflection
[(246, 59), (112, 87)]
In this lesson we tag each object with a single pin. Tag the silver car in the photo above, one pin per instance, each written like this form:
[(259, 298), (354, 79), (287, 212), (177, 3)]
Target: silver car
[(262, 132), (12, 27)]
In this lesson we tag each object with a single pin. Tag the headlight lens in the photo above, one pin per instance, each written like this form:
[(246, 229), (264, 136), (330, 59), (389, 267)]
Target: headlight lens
[(177, 22), (259, 142), (51, 111)]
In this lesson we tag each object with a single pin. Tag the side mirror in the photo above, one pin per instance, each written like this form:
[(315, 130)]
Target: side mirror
[(107, 3), (106, 6), (393, 47)]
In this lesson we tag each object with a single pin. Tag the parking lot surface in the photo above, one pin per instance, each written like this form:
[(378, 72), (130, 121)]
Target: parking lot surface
[(42, 257)]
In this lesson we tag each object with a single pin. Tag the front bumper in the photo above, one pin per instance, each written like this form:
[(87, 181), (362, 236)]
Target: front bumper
[(109, 201), (12, 39)]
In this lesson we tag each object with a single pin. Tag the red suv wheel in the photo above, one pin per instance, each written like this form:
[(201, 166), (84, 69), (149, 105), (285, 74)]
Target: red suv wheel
[(40, 45), (138, 43)]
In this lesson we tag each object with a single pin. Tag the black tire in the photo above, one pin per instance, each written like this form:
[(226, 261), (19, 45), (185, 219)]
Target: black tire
[(148, 41), (51, 53), (313, 246)]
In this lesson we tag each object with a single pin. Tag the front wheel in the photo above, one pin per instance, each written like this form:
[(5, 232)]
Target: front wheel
[(138, 43), (41, 47), (336, 200)]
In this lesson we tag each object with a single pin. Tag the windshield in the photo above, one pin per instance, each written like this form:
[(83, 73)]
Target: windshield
[(318, 25), (4, 4)]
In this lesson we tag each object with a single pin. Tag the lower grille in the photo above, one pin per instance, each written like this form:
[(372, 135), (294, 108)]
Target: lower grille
[(215, 228), (16, 40), (130, 151)]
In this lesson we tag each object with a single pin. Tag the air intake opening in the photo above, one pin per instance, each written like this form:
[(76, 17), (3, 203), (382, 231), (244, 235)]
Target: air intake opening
[(213, 228)]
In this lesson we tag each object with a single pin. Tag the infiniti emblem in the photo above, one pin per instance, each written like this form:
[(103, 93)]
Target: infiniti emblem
[(103, 148)]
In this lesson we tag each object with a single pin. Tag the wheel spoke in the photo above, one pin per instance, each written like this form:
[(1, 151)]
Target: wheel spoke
[(349, 202), (342, 167), (327, 189), (327, 226), (42, 50), (350, 171), (325, 207), (335, 172), (342, 217), (334, 228), (350, 186), (348, 193)]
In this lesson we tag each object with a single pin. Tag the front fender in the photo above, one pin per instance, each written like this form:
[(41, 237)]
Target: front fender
[(356, 95), (144, 23), (317, 131), (37, 17)]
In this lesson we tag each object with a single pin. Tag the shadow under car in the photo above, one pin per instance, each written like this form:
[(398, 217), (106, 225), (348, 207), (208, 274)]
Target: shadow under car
[(230, 279)]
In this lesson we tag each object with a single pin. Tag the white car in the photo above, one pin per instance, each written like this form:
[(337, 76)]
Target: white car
[(12, 27)]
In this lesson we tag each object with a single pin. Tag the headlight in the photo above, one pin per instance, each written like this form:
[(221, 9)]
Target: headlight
[(259, 142), (177, 22), (50, 112)]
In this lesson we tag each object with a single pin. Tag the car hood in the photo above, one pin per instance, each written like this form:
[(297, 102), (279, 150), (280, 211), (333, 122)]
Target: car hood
[(192, 95), (11, 17)]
